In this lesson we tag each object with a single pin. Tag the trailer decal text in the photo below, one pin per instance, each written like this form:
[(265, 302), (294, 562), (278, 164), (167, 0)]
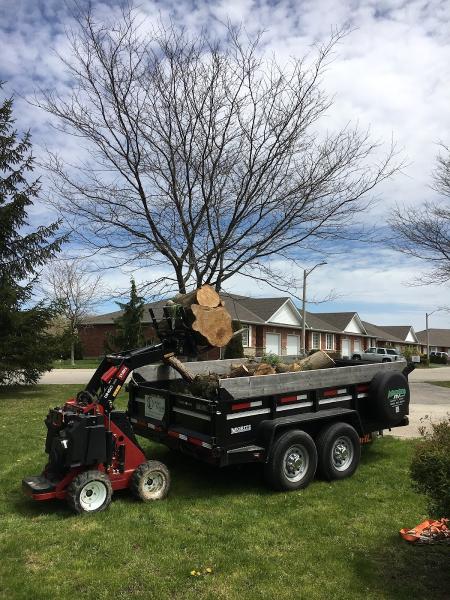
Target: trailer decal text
[(241, 429)]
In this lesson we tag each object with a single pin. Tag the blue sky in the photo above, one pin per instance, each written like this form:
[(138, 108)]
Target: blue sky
[(390, 74)]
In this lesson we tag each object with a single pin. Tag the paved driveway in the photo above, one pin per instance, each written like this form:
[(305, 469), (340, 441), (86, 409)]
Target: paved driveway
[(427, 400), (437, 374)]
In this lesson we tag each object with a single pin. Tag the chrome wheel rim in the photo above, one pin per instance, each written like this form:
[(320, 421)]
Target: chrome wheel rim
[(92, 496), (153, 483), (342, 453), (295, 462)]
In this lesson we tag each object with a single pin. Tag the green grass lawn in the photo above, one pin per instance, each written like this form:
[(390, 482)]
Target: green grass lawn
[(331, 541), (441, 383), (84, 363)]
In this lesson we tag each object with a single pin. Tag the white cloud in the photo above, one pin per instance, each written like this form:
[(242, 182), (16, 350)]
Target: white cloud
[(391, 73)]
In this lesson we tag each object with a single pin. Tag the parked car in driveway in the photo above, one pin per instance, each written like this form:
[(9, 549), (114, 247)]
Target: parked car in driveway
[(378, 355)]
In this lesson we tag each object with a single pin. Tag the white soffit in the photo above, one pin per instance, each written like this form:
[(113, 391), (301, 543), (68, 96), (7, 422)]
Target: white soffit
[(286, 315), (355, 326), (411, 337)]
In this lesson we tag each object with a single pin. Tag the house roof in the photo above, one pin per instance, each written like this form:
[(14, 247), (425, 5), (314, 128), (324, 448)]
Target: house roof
[(315, 321), (388, 333), (438, 337), (399, 331), (261, 308)]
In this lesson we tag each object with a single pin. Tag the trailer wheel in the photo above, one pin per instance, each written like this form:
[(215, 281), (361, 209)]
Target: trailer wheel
[(89, 492), (293, 461), (150, 481), (339, 449)]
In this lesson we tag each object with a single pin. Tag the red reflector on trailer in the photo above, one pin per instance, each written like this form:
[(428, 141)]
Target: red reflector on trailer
[(362, 388), (330, 393), (195, 441), (241, 405), (109, 374), (288, 399)]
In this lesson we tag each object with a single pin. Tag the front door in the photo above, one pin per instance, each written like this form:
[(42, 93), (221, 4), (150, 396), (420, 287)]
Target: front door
[(345, 347), (292, 346)]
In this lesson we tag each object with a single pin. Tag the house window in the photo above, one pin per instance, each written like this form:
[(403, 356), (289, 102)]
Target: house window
[(357, 345), (330, 341), (315, 341), (246, 336)]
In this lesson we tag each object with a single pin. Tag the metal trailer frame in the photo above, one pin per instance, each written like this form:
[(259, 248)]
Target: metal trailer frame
[(243, 422)]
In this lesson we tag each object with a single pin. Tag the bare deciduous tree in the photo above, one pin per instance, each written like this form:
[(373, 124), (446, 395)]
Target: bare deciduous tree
[(424, 232), (205, 157), (75, 292)]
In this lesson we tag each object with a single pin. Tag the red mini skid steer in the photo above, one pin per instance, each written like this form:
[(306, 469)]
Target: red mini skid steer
[(91, 446)]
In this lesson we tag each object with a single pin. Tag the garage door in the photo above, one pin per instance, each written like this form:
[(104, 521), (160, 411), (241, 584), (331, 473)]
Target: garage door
[(292, 348), (272, 343)]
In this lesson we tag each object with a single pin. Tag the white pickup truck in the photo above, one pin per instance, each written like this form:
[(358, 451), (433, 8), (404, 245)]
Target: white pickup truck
[(378, 355)]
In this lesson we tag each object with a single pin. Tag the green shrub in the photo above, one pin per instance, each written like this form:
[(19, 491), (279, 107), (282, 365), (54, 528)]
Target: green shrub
[(423, 359), (430, 467), (439, 360), (271, 359)]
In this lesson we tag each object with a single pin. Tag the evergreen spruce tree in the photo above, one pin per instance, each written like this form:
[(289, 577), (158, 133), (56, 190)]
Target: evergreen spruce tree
[(129, 333), (26, 347)]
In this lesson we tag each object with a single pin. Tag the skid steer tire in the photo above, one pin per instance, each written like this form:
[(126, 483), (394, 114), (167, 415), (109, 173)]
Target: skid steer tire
[(150, 481), (89, 492)]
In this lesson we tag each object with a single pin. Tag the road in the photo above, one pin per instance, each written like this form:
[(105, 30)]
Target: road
[(426, 399)]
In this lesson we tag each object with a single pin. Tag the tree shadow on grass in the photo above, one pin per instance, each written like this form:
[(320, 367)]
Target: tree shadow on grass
[(398, 570)]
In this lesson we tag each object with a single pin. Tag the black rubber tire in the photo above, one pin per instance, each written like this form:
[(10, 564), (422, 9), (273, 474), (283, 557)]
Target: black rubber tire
[(385, 360), (389, 397), (79, 483), (356, 357), (274, 469), (325, 442), (146, 472)]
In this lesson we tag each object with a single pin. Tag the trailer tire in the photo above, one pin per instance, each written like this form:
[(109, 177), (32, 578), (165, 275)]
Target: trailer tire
[(89, 492), (150, 481), (389, 396), (339, 450), (293, 461)]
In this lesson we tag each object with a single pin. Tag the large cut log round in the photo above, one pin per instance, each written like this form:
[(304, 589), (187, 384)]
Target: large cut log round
[(204, 296), (214, 324), (318, 360)]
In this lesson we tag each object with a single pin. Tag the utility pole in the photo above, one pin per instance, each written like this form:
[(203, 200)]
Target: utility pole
[(305, 275), (428, 332)]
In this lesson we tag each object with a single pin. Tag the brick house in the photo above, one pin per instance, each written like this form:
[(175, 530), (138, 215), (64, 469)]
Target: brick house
[(439, 340), (271, 325)]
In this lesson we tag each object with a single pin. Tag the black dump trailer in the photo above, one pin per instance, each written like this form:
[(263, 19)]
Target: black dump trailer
[(294, 423)]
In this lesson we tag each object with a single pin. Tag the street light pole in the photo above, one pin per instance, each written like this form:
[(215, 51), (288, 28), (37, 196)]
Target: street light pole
[(305, 275)]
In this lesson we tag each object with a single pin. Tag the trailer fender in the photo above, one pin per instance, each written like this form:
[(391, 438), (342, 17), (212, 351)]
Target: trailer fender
[(312, 423)]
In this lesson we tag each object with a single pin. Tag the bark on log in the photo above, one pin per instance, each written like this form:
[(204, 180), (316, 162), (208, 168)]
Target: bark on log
[(264, 369), (318, 360), (239, 371), (176, 364)]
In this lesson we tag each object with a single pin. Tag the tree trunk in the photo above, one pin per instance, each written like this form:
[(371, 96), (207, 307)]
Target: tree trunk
[(72, 353)]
